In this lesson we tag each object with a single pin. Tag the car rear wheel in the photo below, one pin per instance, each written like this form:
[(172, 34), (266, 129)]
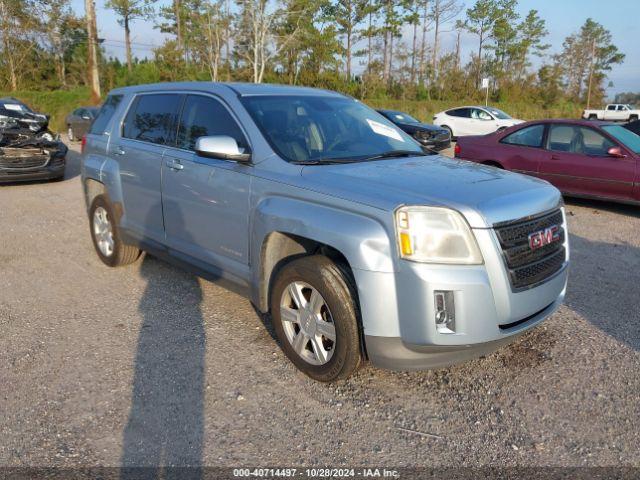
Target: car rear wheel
[(593, 117), (106, 236), (70, 135), (315, 316)]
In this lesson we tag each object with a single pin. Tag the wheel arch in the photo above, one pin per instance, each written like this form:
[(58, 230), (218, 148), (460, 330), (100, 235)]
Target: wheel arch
[(284, 229), (493, 163)]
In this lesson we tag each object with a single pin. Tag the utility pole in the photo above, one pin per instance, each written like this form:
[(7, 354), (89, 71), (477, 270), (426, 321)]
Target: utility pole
[(593, 56), (92, 49)]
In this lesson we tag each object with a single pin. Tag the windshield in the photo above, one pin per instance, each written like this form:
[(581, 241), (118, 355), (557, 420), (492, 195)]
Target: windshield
[(624, 136), (402, 117), (305, 128), (496, 112)]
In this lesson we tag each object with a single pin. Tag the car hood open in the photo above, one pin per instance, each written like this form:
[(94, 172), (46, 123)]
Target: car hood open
[(484, 195)]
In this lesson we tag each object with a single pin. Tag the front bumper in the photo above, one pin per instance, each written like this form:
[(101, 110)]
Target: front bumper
[(398, 309), (55, 169), (393, 353), (435, 144)]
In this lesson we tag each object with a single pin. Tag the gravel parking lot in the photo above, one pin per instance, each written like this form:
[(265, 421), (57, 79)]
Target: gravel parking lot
[(150, 365)]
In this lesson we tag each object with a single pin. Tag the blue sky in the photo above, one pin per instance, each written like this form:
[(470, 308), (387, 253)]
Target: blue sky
[(563, 17)]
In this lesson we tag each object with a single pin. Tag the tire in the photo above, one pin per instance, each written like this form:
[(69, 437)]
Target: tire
[(449, 130), (120, 253), (70, 135), (633, 118), (340, 347), (593, 117)]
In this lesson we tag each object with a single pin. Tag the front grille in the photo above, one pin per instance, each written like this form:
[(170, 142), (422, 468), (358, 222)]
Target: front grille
[(527, 266), (22, 158)]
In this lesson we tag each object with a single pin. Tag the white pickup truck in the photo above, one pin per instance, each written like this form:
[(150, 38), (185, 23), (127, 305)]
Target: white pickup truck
[(614, 111)]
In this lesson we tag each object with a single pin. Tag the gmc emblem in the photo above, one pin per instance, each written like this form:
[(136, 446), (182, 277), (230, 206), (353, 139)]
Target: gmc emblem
[(544, 237)]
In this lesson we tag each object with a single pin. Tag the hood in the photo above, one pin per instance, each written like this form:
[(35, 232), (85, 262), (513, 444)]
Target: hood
[(483, 194)]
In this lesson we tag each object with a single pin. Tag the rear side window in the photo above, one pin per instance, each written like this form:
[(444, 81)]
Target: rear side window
[(203, 116), (460, 112), (527, 137), (100, 124), (152, 118)]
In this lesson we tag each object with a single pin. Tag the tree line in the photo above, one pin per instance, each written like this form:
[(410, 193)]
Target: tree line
[(366, 48)]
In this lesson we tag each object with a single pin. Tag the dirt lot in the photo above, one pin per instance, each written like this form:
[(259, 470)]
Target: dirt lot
[(150, 365)]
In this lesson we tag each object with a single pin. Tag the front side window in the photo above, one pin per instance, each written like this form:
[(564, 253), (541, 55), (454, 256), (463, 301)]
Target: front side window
[(203, 116), (105, 114), (575, 139), (528, 137), (478, 114), (316, 128), (152, 118)]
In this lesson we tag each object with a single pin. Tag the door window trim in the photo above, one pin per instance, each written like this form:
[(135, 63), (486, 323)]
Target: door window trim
[(183, 94)]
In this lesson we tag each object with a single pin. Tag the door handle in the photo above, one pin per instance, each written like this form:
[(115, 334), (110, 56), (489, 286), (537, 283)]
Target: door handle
[(555, 157), (118, 151), (174, 165)]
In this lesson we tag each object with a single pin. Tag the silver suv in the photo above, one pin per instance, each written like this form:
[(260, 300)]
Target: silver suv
[(331, 219)]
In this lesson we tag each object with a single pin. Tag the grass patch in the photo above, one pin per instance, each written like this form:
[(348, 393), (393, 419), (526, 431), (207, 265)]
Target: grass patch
[(58, 104)]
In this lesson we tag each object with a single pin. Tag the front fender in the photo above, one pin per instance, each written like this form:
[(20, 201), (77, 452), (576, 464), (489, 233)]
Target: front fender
[(362, 239)]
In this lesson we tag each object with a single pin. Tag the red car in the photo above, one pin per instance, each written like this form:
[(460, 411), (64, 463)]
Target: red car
[(582, 158)]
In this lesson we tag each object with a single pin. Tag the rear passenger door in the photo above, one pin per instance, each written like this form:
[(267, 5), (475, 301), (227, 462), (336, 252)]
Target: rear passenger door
[(149, 125), (206, 200), (522, 150)]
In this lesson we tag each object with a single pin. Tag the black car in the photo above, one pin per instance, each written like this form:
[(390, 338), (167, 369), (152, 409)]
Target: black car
[(28, 149), (633, 126), (79, 121), (429, 136)]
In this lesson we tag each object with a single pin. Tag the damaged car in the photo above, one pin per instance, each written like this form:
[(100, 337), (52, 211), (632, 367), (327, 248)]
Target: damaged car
[(28, 149)]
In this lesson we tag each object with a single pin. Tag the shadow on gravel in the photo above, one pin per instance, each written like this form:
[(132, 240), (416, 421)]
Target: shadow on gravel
[(166, 426), (603, 287)]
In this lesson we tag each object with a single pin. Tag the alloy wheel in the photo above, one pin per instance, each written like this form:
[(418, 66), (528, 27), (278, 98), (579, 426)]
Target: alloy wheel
[(307, 323), (103, 231)]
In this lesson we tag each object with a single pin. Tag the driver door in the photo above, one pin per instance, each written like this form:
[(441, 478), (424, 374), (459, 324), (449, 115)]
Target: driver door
[(206, 200), (578, 162), (483, 122)]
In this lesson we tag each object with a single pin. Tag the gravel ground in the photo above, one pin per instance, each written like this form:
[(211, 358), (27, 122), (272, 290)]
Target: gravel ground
[(150, 365)]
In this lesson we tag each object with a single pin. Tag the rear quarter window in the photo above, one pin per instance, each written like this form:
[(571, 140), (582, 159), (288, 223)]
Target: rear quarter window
[(101, 122), (460, 112)]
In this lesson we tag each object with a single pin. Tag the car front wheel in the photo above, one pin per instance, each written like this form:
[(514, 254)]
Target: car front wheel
[(106, 236), (315, 316)]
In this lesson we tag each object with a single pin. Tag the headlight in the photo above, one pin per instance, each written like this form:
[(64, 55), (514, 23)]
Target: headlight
[(436, 235)]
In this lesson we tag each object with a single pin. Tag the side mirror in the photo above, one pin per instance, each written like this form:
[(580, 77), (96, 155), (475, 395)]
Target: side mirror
[(616, 152), (221, 146)]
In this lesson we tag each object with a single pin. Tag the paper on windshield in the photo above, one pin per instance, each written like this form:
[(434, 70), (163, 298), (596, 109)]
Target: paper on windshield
[(382, 129), (13, 106)]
